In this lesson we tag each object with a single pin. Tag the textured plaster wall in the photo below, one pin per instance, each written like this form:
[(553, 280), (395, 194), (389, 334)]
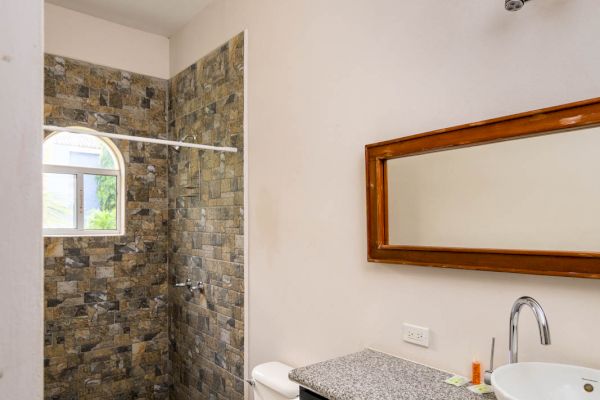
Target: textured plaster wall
[(72, 34), (21, 271), (327, 77)]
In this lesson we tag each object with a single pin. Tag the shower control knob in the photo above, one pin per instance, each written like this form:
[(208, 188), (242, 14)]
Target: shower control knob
[(199, 286), (187, 283)]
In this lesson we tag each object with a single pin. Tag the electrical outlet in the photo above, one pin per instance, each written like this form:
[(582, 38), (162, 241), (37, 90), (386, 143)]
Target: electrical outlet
[(416, 334)]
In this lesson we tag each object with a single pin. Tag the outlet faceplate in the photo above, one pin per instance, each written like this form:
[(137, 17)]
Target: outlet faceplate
[(416, 334)]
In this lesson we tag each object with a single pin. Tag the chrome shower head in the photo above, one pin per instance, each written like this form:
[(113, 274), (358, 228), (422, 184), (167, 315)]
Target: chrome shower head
[(514, 5), (183, 139)]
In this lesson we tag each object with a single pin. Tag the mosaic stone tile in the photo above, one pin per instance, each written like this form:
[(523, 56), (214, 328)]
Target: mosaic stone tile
[(206, 229), (106, 332), (114, 325)]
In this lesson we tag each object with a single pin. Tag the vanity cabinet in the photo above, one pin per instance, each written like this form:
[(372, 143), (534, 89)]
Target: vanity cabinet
[(306, 394)]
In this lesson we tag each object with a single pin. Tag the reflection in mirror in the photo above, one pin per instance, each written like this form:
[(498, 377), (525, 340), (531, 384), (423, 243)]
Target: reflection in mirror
[(540, 193)]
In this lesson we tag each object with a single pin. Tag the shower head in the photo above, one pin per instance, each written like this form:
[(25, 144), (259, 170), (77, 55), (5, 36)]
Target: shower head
[(514, 5), (177, 148)]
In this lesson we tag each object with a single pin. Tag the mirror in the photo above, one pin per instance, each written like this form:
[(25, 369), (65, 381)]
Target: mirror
[(539, 193), (519, 193)]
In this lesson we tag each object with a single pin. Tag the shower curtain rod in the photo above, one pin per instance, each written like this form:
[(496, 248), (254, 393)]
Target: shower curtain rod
[(140, 139)]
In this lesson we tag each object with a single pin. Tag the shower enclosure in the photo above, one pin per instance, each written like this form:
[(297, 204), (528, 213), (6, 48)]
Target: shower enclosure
[(116, 324)]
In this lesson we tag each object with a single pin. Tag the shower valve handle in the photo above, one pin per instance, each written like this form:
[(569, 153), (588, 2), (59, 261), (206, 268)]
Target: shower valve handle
[(199, 286), (187, 283)]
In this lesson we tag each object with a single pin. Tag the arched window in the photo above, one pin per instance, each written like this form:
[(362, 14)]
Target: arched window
[(83, 186)]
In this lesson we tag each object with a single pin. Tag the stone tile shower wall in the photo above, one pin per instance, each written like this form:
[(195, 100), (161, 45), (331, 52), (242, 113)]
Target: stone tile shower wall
[(106, 297), (206, 228)]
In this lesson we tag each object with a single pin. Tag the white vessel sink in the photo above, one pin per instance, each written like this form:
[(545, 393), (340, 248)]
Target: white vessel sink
[(544, 381)]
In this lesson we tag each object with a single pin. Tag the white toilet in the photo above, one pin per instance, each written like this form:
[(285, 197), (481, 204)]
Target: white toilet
[(271, 382)]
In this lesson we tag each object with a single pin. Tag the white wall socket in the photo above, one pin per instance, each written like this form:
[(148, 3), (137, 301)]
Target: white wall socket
[(416, 334)]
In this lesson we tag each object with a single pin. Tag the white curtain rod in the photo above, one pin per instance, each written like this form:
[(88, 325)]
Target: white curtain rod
[(140, 139)]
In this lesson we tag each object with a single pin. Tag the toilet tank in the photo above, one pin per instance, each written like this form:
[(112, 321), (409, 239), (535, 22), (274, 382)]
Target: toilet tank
[(271, 382)]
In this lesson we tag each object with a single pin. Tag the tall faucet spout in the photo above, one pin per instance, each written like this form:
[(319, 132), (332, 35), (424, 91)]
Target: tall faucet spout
[(540, 317)]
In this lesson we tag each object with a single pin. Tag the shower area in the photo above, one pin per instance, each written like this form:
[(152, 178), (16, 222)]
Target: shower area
[(120, 321)]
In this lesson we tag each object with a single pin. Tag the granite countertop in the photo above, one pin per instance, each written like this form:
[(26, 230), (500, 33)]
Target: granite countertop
[(371, 375)]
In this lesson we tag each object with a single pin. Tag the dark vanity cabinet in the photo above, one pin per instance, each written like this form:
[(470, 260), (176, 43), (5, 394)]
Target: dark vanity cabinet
[(306, 394)]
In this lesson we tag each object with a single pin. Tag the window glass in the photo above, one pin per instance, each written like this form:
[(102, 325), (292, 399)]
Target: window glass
[(78, 150), (83, 182), (59, 201), (100, 202)]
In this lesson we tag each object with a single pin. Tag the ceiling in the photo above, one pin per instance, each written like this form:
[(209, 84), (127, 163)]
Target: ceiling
[(155, 16)]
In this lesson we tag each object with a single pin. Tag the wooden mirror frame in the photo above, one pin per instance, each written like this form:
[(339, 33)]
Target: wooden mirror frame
[(539, 262)]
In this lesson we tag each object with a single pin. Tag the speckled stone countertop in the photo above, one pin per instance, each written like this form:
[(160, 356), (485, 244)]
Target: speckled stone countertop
[(371, 375)]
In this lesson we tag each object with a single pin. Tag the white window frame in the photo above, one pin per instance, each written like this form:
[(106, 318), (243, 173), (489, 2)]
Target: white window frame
[(79, 172)]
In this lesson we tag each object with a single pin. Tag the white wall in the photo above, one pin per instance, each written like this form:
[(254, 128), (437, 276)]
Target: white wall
[(72, 34), (21, 271), (328, 77)]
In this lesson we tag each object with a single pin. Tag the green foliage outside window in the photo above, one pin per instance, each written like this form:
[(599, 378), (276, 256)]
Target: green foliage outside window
[(106, 192), (103, 219)]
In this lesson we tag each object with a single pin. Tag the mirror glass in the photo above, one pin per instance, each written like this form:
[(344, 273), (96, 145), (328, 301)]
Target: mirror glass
[(535, 193)]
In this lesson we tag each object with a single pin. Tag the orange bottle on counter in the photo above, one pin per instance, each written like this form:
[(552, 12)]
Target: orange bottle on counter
[(476, 373)]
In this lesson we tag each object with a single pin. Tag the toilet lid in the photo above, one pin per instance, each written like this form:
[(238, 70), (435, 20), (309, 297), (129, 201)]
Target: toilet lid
[(274, 375)]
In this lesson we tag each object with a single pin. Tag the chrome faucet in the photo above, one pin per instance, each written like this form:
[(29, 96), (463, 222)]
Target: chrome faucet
[(199, 286), (540, 316)]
